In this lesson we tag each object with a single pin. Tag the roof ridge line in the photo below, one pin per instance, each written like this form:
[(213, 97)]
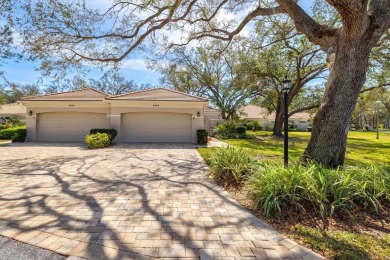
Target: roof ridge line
[(151, 89), (63, 92)]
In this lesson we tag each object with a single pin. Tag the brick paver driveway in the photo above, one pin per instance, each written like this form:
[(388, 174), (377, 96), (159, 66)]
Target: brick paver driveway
[(127, 201)]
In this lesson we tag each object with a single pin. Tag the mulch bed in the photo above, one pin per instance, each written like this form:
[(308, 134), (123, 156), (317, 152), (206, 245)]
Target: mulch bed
[(374, 223)]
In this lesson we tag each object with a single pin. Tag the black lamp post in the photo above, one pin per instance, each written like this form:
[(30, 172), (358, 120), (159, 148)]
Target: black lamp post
[(286, 85)]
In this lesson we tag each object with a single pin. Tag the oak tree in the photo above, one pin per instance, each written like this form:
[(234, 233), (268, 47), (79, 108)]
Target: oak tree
[(75, 33), (198, 71)]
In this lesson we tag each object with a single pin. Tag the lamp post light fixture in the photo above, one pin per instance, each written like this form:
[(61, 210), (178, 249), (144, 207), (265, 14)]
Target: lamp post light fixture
[(286, 86), (377, 118)]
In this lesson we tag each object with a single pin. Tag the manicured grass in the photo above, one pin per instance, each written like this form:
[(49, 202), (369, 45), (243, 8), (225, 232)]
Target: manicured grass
[(362, 147), (336, 243), (343, 244)]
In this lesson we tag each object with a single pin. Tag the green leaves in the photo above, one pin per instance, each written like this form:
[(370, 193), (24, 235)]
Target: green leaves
[(277, 189), (231, 166), (97, 141)]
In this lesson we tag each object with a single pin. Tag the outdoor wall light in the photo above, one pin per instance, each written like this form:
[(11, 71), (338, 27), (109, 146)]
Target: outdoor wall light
[(30, 113), (198, 114), (219, 116)]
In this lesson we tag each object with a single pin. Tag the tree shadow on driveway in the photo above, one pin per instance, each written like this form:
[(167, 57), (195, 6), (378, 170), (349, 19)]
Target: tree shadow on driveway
[(122, 201)]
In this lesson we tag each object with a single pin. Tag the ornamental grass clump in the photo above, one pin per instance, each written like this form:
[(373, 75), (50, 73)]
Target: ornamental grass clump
[(278, 189), (230, 166)]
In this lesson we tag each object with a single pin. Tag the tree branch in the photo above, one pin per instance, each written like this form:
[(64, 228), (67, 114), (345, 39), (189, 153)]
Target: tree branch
[(372, 88), (304, 109), (316, 33)]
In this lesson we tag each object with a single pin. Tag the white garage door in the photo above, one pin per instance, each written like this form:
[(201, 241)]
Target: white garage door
[(68, 127), (156, 127)]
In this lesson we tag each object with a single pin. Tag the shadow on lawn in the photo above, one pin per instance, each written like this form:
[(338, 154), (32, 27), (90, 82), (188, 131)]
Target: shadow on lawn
[(73, 199), (321, 241)]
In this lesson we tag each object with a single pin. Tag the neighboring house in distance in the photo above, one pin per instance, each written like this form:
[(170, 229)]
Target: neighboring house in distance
[(153, 115), (212, 117), (14, 110), (252, 112)]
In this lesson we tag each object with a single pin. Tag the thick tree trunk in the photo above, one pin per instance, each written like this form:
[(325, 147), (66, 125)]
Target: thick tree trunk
[(278, 125), (328, 140)]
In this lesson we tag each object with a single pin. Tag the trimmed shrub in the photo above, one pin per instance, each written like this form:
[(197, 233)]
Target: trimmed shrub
[(277, 189), (202, 135), (254, 125), (241, 130), (19, 136), (231, 130), (231, 166), (309, 129), (15, 122), (111, 132), (6, 134), (2, 127), (98, 140)]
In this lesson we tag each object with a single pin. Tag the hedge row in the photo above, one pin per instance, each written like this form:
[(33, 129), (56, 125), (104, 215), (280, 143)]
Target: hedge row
[(6, 134)]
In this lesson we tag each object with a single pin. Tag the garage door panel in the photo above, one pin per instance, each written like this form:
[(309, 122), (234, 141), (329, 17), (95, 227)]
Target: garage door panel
[(68, 127), (156, 127)]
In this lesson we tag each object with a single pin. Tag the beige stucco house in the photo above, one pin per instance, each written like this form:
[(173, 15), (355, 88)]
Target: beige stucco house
[(153, 115), (212, 117), (252, 112), (14, 110)]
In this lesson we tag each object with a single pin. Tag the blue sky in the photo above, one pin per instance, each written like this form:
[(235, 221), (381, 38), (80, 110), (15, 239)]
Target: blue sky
[(134, 68)]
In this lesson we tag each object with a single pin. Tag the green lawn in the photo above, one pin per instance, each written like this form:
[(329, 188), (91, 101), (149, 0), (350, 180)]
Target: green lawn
[(4, 141), (343, 244), (362, 147)]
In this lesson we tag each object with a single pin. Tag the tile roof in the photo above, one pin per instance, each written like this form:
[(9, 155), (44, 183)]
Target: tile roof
[(158, 94), (211, 109), (12, 109), (85, 94), (252, 111)]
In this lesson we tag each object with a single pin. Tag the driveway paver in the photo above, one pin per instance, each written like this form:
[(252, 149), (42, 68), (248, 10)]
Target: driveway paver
[(138, 201)]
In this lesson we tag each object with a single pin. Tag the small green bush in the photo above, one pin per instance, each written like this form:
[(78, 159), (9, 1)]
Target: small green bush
[(309, 129), (241, 130), (98, 140), (231, 130), (2, 126), (254, 125), (19, 136), (15, 122), (6, 134), (111, 132), (278, 189), (202, 135), (231, 166)]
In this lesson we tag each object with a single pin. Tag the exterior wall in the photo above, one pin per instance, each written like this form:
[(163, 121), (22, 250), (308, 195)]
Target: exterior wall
[(114, 109), (263, 122), (39, 108), (211, 124), (119, 107), (211, 118), (297, 122)]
